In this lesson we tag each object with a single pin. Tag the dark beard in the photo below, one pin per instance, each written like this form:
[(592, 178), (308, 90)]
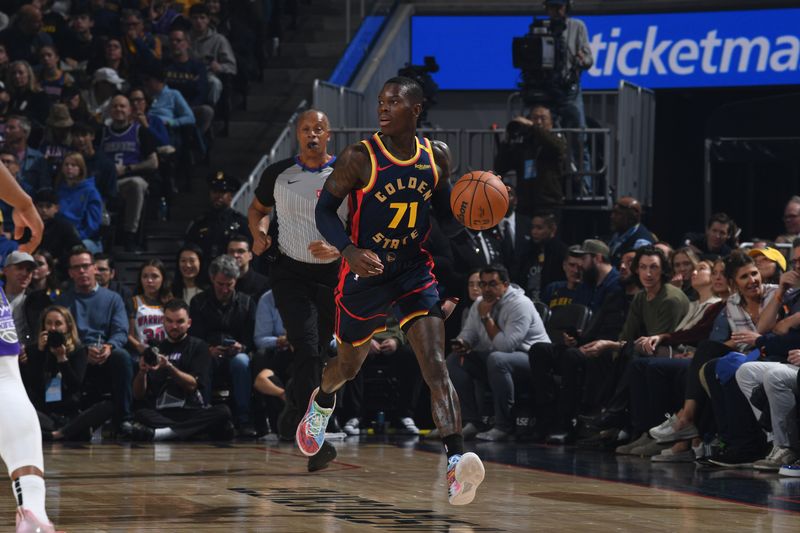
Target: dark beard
[(591, 275)]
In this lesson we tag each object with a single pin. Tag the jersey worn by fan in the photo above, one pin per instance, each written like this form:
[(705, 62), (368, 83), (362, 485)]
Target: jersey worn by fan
[(389, 216)]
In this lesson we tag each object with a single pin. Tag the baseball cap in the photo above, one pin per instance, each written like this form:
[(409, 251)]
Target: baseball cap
[(222, 182), (16, 257), (595, 246), (108, 74), (770, 253)]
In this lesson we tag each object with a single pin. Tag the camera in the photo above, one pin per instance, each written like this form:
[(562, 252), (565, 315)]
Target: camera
[(422, 75), (55, 339), (541, 55), (150, 356)]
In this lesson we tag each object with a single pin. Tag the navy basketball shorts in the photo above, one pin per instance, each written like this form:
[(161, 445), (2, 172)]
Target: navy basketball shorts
[(407, 289)]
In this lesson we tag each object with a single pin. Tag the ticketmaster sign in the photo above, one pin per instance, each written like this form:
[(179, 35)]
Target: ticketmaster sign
[(728, 48)]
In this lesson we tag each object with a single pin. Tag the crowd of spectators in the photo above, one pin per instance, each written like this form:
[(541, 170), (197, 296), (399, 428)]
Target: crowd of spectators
[(101, 102)]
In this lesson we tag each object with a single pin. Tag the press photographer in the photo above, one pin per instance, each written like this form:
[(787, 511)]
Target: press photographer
[(538, 156)]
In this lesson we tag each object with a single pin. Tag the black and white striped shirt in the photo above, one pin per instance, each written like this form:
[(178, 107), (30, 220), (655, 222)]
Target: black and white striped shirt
[(293, 189)]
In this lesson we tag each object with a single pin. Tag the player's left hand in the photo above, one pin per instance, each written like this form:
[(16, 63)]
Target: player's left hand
[(28, 217), (323, 251)]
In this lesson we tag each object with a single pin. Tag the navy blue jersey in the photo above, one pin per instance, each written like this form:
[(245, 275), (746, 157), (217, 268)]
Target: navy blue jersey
[(391, 213)]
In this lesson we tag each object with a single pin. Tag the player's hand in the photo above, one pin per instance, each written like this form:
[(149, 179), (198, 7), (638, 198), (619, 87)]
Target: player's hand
[(364, 263), (323, 251), (28, 217)]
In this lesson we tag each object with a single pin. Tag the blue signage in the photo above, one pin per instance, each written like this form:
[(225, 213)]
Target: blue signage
[(725, 48)]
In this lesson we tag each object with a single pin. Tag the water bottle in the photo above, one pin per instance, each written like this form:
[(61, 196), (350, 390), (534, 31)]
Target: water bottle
[(163, 210), (380, 422)]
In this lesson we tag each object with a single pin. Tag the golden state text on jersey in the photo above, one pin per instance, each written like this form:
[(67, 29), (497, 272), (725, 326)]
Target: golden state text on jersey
[(391, 212)]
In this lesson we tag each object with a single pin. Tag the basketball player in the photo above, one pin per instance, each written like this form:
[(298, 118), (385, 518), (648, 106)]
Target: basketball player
[(20, 435), (391, 180)]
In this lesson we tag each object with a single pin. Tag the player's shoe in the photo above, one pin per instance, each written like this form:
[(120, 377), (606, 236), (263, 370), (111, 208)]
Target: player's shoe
[(28, 523), (311, 430), (464, 474)]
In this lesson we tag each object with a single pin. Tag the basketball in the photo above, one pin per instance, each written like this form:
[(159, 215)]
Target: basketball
[(479, 200)]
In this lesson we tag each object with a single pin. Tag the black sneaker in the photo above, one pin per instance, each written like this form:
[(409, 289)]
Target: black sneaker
[(142, 433), (734, 458), (322, 458), (246, 431)]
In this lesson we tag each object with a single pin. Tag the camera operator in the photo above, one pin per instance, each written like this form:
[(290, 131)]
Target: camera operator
[(170, 380), (538, 156), (568, 101)]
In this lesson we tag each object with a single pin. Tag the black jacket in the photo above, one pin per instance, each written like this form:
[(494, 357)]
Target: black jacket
[(213, 321)]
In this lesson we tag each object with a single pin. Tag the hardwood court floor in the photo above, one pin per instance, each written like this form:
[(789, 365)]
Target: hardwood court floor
[(396, 486)]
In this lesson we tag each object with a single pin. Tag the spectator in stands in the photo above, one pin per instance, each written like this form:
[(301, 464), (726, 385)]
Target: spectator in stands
[(770, 262), (684, 262), (212, 231), (571, 290), (141, 114), (667, 248), (59, 235), (103, 326), (190, 77), (26, 306), (212, 48), (542, 264), (106, 20), (79, 201), (52, 78), (98, 164), (598, 277), (225, 319), (250, 282), (587, 376), (189, 281), (656, 379), (99, 96), (142, 48), (475, 249), (79, 43), (47, 358), (133, 150), (107, 278), (78, 109), (33, 172), (269, 364), (5, 99), (657, 309), (493, 346), (791, 221), (25, 36), (163, 17), (57, 140), (113, 58), (629, 232), (168, 104), (714, 242), (172, 387), (45, 277), (388, 348), (538, 156), (152, 293), (27, 97)]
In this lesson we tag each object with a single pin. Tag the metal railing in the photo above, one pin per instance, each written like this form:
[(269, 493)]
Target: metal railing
[(343, 105), (285, 146)]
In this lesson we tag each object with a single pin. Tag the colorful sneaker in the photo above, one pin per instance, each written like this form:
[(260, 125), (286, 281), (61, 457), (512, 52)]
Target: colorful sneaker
[(464, 474), (28, 523), (311, 430)]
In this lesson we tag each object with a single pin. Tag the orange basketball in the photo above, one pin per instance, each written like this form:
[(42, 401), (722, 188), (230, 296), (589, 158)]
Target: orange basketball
[(479, 200)]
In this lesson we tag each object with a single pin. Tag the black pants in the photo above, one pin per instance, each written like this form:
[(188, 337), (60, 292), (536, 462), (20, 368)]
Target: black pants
[(114, 377), (585, 383), (78, 426), (736, 424), (657, 387), (187, 422), (304, 298), (401, 368)]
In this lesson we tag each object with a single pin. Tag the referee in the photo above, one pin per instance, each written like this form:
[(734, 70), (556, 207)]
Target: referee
[(306, 269)]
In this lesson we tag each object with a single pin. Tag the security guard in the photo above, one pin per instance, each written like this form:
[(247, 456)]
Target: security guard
[(212, 231)]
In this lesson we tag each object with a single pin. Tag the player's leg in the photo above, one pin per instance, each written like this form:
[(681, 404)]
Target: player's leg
[(464, 470), (344, 367), (21, 448)]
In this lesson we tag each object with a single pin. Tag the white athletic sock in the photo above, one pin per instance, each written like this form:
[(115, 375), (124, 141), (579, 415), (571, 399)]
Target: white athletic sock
[(30, 493), (164, 434)]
